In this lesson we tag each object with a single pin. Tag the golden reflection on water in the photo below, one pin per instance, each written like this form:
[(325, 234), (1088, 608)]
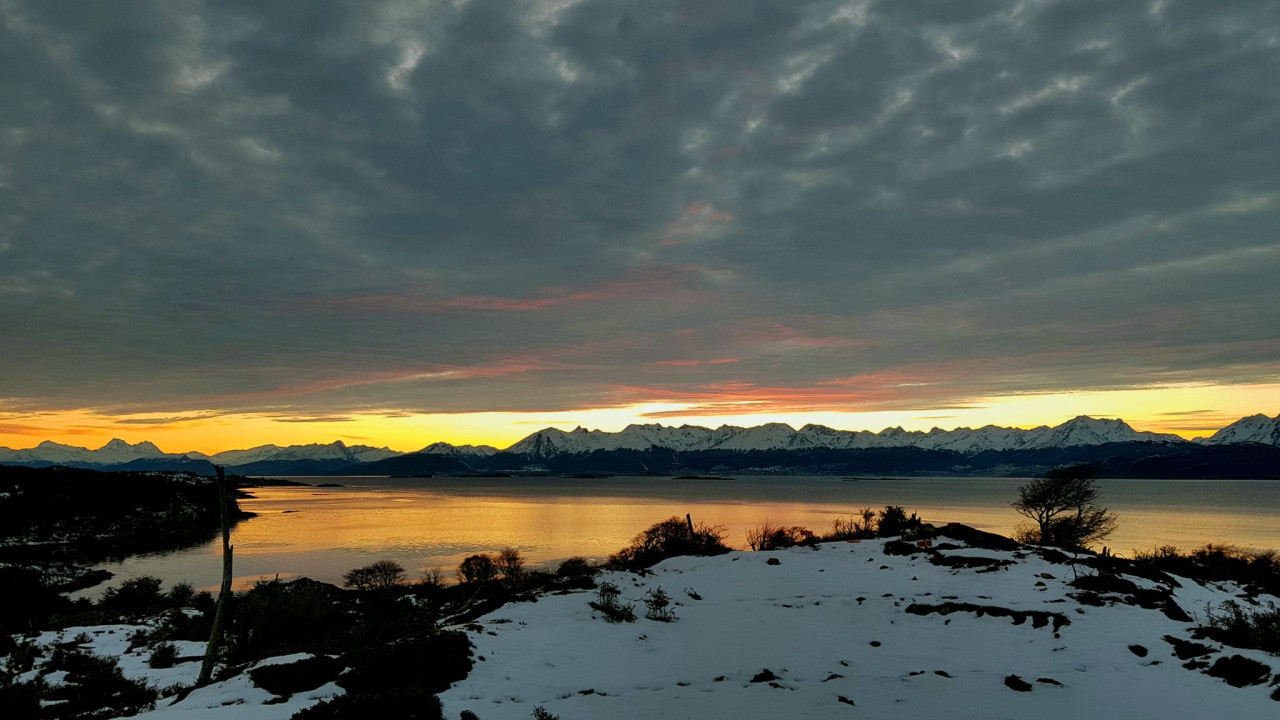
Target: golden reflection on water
[(322, 532)]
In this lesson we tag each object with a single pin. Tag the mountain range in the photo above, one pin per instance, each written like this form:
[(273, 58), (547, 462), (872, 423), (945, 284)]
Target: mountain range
[(998, 450)]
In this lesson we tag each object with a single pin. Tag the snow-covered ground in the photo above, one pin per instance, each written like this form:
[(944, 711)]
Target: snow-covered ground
[(831, 624), (235, 698), (838, 630)]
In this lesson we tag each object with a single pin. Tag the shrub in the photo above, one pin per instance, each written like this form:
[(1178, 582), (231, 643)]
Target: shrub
[(430, 662), (380, 575), (541, 713), (607, 602), (670, 538), (767, 536), (1258, 569), (658, 603), (135, 596), (477, 569), (181, 595), (1026, 533), (295, 677), (22, 699), (575, 567), (95, 688), (399, 704), (862, 525), (510, 565), (163, 655), (1233, 624), (278, 618), (28, 600), (894, 521), (432, 580)]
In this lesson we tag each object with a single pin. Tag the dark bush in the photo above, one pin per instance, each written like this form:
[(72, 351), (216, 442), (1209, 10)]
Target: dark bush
[(181, 595), (862, 525), (135, 597), (767, 536), (510, 565), (1233, 624), (608, 604), (28, 600), (477, 569), (381, 575), (541, 713), (667, 539), (399, 704), (894, 521), (295, 677), (1258, 570), (163, 655), (279, 618), (575, 567), (431, 662), (432, 581), (21, 700), (658, 603), (95, 688)]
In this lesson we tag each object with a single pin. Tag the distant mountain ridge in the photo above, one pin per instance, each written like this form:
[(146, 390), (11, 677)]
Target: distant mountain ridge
[(1081, 430), (593, 449), (145, 455)]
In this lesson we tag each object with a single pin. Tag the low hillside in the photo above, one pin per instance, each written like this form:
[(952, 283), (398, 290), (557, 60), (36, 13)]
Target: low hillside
[(88, 514)]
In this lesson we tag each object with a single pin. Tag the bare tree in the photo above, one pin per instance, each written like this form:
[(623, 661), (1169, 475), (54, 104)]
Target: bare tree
[(1064, 506)]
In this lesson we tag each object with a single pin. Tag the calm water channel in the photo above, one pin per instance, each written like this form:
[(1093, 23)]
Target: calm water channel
[(425, 523)]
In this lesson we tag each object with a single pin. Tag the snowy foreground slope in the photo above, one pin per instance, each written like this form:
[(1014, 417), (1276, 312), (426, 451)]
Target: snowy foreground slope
[(235, 698), (832, 625), (833, 631)]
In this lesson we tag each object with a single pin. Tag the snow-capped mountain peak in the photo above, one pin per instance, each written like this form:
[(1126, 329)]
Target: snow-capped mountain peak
[(119, 451), (1252, 429), (1085, 430), (444, 448)]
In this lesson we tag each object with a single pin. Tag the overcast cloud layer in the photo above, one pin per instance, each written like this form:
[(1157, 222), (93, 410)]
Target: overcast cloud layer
[(323, 207)]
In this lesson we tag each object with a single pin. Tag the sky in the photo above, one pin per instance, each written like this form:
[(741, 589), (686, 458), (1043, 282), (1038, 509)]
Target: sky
[(225, 224)]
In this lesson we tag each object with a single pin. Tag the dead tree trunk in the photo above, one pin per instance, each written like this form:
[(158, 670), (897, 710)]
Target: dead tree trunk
[(215, 637)]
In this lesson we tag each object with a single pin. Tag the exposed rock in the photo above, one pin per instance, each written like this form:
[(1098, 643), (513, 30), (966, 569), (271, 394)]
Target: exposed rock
[(765, 675), (968, 561), (1185, 649), (974, 537), (1240, 671), (1013, 682), (901, 547), (1039, 618)]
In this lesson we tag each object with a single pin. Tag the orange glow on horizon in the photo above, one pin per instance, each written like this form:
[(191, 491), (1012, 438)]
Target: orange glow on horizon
[(1188, 411)]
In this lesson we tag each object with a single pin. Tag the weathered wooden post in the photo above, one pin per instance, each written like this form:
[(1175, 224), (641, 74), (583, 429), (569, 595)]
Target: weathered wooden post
[(215, 637), (688, 519)]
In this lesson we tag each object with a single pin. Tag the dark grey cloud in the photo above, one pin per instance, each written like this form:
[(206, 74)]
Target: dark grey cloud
[(343, 206)]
